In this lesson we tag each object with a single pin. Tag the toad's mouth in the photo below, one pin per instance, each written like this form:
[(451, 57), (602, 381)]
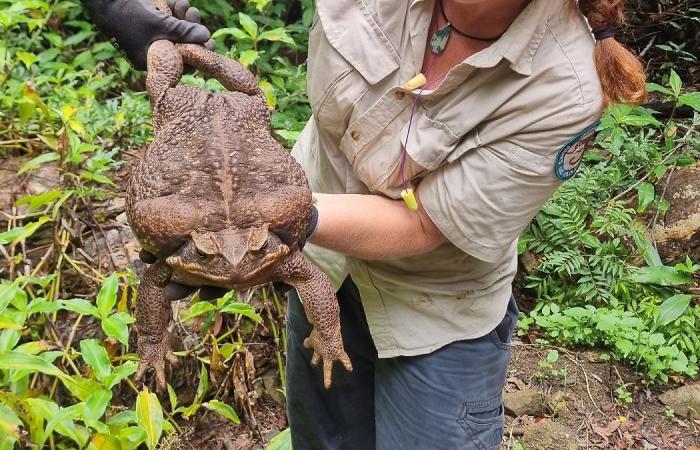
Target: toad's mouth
[(234, 276)]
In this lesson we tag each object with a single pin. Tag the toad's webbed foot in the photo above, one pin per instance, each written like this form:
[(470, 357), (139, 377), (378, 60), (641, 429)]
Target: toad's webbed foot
[(322, 311), (154, 353), (327, 349)]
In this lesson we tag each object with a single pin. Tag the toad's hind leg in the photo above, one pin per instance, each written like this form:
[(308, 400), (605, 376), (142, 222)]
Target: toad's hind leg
[(153, 314), (318, 298)]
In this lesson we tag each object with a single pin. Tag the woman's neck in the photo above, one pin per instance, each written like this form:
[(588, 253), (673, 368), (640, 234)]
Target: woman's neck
[(483, 18)]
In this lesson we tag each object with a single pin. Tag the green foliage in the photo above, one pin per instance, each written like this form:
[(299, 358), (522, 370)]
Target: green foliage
[(70, 101), (590, 243)]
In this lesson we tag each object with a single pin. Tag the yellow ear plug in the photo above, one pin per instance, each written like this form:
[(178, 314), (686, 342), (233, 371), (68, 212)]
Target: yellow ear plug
[(415, 82), (410, 199)]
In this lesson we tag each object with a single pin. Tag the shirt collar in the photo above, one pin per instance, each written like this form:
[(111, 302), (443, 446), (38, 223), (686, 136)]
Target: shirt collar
[(520, 42)]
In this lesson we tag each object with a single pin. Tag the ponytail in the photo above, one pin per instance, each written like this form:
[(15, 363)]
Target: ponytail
[(621, 73)]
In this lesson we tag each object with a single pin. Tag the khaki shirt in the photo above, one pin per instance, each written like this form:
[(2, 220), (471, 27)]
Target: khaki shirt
[(482, 153)]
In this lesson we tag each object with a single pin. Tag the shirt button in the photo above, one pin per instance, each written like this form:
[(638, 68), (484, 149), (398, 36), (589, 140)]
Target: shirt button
[(399, 95), (355, 135)]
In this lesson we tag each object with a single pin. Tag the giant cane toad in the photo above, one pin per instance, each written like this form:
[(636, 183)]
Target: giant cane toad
[(219, 202)]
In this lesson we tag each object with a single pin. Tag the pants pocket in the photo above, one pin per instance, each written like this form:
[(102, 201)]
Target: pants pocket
[(483, 423)]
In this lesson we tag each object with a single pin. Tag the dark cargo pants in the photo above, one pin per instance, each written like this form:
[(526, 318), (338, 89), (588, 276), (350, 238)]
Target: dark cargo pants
[(449, 399)]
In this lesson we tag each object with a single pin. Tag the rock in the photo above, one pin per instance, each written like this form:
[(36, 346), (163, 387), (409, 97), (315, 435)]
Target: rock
[(678, 233), (269, 384), (525, 402), (530, 261), (685, 401), (548, 435), (12, 186), (115, 249), (557, 403)]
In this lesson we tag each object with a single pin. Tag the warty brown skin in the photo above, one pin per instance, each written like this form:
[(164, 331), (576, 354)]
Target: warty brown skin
[(219, 202)]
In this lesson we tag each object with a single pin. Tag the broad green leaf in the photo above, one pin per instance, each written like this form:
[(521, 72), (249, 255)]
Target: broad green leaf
[(38, 201), (198, 309), (661, 275), (276, 34), (172, 396), (248, 57), (281, 441), (117, 326), (243, 309), (647, 249), (107, 297), (653, 87), (15, 360), (120, 373), (625, 346), (223, 410), (235, 32), (18, 234), (39, 160), (95, 355), (645, 193), (691, 99), (102, 441), (26, 58), (96, 404), (8, 339), (672, 308), (269, 92), (80, 387), (248, 25), (42, 306), (9, 422), (80, 306), (675, 81), (149, 416), (9, 293)]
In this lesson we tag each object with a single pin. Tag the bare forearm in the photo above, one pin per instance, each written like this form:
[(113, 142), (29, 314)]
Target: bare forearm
[(373, 227)]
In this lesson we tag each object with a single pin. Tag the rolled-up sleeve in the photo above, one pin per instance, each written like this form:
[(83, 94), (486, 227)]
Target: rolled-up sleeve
[(482, 201)]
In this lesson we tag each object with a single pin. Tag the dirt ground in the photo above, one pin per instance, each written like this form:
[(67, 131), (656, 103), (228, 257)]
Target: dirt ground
[(579, 391)]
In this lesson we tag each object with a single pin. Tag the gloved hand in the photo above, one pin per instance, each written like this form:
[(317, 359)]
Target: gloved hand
[(136, 24)]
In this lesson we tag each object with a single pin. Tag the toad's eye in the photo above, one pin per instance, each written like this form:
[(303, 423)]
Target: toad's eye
[(203, 256)]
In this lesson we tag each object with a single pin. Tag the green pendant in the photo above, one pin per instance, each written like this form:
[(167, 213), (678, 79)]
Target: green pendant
[(439, 40)]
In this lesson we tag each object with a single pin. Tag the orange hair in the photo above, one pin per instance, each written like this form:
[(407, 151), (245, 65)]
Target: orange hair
[(621, 73)]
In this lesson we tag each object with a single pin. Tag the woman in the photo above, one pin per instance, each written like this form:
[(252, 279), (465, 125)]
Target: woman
[(439, 129)]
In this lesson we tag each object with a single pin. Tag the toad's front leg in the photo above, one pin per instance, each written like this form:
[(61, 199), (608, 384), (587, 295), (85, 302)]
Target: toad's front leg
[(153, 314), (321, 306)]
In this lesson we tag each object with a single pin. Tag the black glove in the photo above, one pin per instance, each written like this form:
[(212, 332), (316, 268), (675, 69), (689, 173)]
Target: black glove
[(176, 291), (136, 24)]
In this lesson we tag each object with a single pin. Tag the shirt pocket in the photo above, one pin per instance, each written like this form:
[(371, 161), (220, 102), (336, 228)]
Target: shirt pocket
[(348, 53), (429, 145)]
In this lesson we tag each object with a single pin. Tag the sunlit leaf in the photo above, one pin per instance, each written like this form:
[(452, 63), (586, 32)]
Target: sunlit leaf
[(96, 404), (39, 160), (222, 409), (18, 234), (95, 355), (102, 441), (149, 416), (661, 275), (281, 441), (79, 306), (645, 193), (672, 308), (116, 326), (248, 24), (107, 297)]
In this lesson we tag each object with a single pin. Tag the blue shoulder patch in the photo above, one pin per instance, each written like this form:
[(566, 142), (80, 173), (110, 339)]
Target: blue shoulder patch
[(570, 155)]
